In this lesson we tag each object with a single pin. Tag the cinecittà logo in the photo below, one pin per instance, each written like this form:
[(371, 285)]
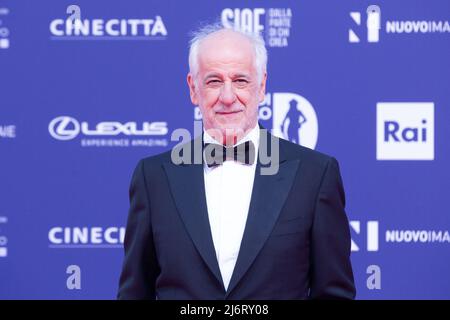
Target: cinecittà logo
[(74, 27), (86, 237)]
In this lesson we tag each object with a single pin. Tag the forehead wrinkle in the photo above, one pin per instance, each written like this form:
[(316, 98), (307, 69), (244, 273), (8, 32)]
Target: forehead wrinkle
[(231, 69)]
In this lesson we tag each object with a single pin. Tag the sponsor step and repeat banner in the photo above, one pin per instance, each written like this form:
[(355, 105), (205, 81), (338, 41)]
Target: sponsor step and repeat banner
[(89, 88)]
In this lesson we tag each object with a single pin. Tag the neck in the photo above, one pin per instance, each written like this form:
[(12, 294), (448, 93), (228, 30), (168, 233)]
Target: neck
[(228, 137)]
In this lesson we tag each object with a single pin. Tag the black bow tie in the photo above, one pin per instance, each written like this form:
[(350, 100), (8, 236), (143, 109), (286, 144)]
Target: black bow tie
[(217, 154)]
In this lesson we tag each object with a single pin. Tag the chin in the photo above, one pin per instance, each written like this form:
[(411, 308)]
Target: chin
[(233, 124)]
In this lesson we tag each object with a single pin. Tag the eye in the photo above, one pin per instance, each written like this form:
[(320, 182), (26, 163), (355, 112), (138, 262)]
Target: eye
[(241, 82), (213, 81)]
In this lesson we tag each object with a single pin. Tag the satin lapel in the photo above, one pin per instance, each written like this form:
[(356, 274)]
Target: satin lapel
[(268, 196), (188, 190)]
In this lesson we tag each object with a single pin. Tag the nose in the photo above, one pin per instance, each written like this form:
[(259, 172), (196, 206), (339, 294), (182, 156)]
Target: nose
[(227, 94)]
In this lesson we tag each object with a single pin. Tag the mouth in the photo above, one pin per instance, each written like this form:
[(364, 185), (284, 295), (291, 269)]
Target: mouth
[(229, 112)]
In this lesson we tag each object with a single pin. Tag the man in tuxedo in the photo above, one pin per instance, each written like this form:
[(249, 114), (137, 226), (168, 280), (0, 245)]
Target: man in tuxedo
[(222, 227)]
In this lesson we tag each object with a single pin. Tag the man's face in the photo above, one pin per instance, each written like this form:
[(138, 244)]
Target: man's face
[(226, 87)]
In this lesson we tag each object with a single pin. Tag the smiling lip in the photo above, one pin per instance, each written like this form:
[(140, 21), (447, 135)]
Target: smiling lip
[(225, 113)]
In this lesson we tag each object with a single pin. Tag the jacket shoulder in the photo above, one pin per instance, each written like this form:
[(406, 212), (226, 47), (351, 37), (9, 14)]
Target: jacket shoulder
[(157, 159), (295, 151)]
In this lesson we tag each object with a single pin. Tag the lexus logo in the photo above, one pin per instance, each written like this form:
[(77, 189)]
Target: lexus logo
[(67, 128), (64, 128)]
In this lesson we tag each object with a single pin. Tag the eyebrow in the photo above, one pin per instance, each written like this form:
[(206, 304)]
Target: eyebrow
[(212, 75), (241, 75)]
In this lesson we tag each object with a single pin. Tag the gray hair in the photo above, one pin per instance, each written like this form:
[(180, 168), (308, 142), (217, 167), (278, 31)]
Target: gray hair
[(255, 39)]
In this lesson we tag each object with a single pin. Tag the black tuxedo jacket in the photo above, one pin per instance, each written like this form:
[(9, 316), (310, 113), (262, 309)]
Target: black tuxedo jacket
[(296, 243)]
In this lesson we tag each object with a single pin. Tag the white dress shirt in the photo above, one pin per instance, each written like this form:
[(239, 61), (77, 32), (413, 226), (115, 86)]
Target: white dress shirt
[(228, 192)]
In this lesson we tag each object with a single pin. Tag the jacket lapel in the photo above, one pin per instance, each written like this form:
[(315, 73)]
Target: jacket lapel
[(268, 196), (188, 190)]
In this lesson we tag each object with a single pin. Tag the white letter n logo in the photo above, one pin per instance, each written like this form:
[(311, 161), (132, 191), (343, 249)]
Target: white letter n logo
[(371, 233), (356, 17)]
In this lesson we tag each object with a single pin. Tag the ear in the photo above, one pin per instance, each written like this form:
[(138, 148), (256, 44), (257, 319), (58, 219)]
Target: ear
[(192, 88), (262, 88)]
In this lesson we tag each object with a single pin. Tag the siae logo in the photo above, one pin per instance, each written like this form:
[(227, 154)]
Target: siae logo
[(373, 24), (405, 131), (67, 128), (246, 19), (274, 23)]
